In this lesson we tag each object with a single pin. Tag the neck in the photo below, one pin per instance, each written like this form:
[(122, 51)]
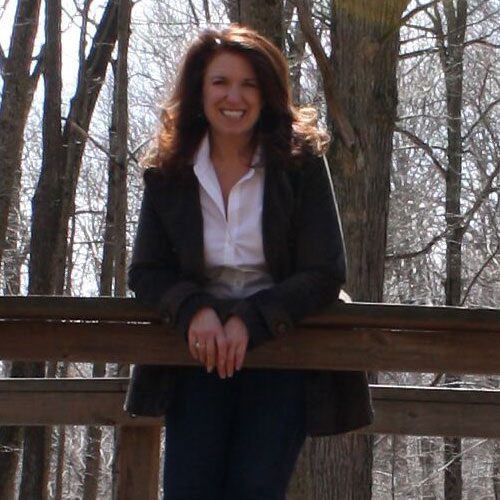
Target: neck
[(231, 150)]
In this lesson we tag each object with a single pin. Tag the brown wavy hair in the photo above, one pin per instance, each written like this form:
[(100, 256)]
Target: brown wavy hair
[(283, 130)]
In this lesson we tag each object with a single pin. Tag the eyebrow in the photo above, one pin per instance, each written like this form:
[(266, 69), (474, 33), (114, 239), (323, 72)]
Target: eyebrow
[(224, 77)]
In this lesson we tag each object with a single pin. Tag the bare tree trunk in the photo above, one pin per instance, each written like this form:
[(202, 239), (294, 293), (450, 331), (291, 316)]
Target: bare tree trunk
[(117, 191), (428, 465), (94, 435), (42, 268), (10, 450), (48, 194), (61, 453), (17, 94), (296, 46), (496, 469), (90, 79), (359, 80), (11, 436), (13, 254), (61, 450), (265, 16), (451, 50)]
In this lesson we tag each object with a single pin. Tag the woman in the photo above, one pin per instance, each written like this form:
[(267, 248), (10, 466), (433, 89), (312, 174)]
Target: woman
[(238, 240)]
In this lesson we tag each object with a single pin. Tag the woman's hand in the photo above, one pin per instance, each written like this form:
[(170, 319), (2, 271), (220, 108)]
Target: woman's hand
[(212, 344), (206, 338), (237, 341)]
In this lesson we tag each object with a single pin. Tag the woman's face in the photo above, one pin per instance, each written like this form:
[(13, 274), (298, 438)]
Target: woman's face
[(231, 96)]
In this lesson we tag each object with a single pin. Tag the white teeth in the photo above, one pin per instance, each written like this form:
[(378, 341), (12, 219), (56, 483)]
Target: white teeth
[(232, 114)]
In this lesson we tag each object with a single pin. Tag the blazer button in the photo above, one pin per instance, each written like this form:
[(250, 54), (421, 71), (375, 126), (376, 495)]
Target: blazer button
[(281, 328), (167, 319)]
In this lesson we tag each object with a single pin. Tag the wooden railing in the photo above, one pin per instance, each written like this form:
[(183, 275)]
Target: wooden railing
[(349, 336)]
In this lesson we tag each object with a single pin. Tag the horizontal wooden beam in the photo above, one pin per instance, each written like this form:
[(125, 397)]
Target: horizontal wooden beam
[(398, 410), (390, 316), (307, 347)]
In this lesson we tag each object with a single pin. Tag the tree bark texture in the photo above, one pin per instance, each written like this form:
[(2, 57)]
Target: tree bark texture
[(14, 253), (10, 448), (364, 59), (359, 79), (11, 437), (61, 453), (93, 450), (295, 47), (18, 88), (118, 162), (265, 16), (36, 449), (119, 149), (496, 470), (91, 77), (47, 199), (428, 467), (451, 51)]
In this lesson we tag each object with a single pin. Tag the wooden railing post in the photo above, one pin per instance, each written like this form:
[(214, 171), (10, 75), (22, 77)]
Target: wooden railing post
[(138, 463)]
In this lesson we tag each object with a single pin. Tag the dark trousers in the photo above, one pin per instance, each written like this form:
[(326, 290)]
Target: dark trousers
[(234, 439)]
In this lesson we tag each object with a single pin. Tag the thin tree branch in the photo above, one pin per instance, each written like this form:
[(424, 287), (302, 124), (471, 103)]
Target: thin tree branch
[(417, 53), (437, 379), (474, 280), (195, 15), (86, 135), (424, 146), (488, 108), (485, 192), (416, 10), (447, 464), (37, 70), (206, 8), (410, 255), (343, 124)]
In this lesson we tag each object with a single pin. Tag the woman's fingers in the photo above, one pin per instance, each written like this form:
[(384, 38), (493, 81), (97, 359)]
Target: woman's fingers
[(237, 338), (193, 349), (229, 366), (205, 326), (222, 354), (239, 357), (214, 345)]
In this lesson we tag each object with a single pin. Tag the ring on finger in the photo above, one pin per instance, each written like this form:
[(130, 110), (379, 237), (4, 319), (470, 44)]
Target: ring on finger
[(198, 344)]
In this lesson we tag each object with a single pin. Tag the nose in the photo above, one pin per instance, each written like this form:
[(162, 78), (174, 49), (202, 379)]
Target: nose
[(233, 94)]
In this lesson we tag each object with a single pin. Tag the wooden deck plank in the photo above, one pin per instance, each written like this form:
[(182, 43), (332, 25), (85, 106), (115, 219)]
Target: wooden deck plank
[(370, 349), (395, 316)]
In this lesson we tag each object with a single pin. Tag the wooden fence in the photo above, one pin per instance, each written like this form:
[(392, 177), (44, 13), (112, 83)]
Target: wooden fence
[(349, 336)]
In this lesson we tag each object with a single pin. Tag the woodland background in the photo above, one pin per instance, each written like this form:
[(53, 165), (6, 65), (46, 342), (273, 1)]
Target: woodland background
[(410, 91)]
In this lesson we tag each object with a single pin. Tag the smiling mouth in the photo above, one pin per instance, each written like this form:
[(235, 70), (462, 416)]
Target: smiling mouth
[(233, 114)]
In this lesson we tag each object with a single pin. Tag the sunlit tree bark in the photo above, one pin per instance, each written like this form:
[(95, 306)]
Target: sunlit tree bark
[(359, 80), (17, 94)]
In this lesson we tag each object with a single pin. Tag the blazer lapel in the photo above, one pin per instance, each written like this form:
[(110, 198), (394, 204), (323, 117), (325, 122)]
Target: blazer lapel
[(277, 215), (180, 209)]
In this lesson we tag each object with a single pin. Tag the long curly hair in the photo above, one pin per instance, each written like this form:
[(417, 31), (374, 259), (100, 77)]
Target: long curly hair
[(283, 130)]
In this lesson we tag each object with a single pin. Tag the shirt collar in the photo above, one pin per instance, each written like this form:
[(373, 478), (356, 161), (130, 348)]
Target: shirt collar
[(202, 156)]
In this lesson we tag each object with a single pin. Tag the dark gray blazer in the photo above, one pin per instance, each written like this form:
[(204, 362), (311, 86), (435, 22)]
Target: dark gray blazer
[(304, 251)]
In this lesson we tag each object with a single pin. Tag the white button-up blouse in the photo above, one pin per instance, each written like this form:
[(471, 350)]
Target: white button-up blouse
[(233, 246)]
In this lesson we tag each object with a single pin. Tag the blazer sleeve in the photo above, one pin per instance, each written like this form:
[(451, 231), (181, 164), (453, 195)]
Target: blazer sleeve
[(319, 267), (154, 272)]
